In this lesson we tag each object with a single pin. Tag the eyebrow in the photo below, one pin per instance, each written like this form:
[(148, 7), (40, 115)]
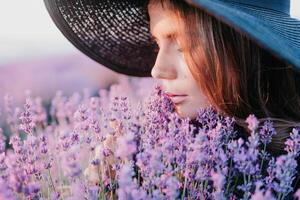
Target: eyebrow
[(169, 35)]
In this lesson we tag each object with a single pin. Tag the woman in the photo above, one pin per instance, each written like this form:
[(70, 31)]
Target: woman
[(243, 57), (210, 63)]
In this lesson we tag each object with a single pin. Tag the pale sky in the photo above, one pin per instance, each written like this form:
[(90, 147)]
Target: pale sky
[(28, 31)]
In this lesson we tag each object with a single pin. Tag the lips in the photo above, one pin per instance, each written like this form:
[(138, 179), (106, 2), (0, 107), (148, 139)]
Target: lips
[(176, 98), (169, 94)]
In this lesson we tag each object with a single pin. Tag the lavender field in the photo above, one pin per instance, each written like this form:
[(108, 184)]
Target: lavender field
[(127, 142)]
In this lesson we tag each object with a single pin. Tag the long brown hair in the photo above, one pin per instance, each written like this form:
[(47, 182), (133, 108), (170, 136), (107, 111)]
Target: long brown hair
[(237, 75)]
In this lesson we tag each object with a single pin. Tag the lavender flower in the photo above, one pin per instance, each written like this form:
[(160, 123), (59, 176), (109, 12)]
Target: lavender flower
[(79, 191), (2, 141), (245, 159), (284, 172), (81, 116), (293, 143), (261, 193), (297, 194), (6, 193), (267, 132), (39, 112), (32, 189), (208, 118), (11, 114), (27, 123), (55, 196), (218, 182), (252, 123), (126, 146), (128, 189), (71, 164), (170, 186)]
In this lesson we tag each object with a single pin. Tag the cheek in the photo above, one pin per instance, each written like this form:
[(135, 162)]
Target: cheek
[(189, 82), (197, 96), (183, 68)]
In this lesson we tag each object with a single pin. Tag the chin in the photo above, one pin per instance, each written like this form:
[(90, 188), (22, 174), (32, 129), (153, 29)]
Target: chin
[(186, 112)]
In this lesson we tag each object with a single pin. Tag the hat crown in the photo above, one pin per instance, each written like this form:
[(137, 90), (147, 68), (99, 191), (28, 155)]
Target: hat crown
[(278, 5)]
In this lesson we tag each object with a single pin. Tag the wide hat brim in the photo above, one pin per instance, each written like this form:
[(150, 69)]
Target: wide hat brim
[(115, 33)]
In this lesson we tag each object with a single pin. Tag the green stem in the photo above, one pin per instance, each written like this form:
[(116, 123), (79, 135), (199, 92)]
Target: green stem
[(280, 196), (205, 184), (51, 180), (229, 177), (245, 179), (184, 187), (249, 178), (262, 160)]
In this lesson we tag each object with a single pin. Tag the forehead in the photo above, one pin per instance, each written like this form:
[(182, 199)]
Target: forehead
[(163, 21)]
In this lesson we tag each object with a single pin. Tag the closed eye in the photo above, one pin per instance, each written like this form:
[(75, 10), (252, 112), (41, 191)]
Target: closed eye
[(153, 38)]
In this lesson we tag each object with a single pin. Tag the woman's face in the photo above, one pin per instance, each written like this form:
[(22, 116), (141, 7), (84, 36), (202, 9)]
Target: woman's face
[(170, 67)]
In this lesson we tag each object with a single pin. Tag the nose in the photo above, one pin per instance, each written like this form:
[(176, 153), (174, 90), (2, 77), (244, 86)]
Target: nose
[(164, 67)]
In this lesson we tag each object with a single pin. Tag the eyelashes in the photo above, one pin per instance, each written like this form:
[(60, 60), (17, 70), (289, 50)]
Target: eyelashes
[(157, 48)]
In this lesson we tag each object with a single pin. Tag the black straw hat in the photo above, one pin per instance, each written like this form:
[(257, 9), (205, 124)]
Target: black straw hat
[(116, 33)]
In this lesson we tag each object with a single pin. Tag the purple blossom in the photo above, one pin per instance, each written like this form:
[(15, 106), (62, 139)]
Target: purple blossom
[(94, 103), (297, 194), (17, 180), (79, 191), (94, 124), (55, 196), (2, 141), (252, 122), (72, 167), (11, 114), (246, 160), (293, 143), (6, 193), (267, 132), (95, 162), (3, 165), (27, 123), (170, 186), (284, 174), (119, 107), (58, 110), (218, 181), (261, 193), (93, 193), (128, 189), (75, 138), (8, 107), (48, 164), (16, 143), (32, 189), (39, 112), (208, 118), (126, 145), (81, 116)]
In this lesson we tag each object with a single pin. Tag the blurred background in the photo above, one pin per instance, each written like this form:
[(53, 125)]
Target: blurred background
[(35, 56)]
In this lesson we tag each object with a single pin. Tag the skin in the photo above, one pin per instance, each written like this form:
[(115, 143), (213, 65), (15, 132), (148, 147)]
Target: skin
[(170, 68)]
